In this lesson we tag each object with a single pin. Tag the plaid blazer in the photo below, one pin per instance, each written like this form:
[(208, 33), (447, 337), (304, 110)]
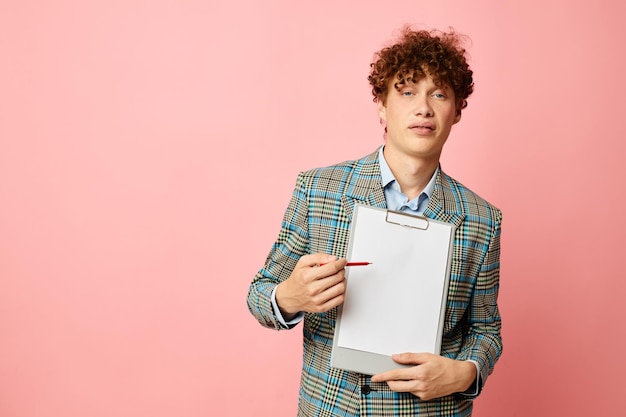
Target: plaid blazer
[(318, 220)]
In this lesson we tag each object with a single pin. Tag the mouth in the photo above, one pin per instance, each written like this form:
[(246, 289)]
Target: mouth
[(422, 127)]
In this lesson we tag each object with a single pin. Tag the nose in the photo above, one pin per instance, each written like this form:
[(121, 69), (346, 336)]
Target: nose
[(422, 106)]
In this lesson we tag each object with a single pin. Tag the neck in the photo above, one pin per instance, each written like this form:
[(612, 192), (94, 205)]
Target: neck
[(412, 174)]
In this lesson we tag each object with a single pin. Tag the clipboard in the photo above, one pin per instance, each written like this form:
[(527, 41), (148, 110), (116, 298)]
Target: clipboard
[(397, 304)]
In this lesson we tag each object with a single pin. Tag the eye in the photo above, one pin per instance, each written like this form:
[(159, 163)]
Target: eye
[(407, 93), (439, 95)]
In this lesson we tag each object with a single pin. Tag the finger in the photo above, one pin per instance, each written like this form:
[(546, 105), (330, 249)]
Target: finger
[(319, 287), (383, 377), (414, 387), (334, 271), (328, 299), (333, 267), (393, 375), (342, 262), (410, 358), (332, 303), (335, 289), (315, 259), (404, 386)]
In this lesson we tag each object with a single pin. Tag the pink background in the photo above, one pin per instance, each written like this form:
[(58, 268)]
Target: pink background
[(148, 150)]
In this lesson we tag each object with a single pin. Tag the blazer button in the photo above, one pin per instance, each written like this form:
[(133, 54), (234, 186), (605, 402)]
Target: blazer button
[(366, 389)]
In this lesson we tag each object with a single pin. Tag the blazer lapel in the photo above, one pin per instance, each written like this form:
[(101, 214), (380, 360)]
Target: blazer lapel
[(445, 204), (365, 185)]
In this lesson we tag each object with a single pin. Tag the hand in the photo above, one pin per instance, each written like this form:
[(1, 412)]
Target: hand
[(312, 288), (434, 376)]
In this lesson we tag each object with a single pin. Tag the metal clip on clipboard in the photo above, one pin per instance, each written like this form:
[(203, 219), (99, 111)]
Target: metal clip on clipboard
[(407, 220)]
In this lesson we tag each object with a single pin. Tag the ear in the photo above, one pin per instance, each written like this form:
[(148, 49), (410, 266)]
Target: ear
[(457, 116), (461, 104), (382, 113)]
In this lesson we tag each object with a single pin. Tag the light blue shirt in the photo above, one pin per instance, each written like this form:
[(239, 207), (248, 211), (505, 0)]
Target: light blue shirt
[(396, 199)]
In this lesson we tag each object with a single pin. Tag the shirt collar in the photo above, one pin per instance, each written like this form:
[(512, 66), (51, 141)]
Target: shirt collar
[(388, 178)]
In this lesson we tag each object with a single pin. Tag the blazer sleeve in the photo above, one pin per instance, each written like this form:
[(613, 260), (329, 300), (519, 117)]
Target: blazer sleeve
[(291, 244), (483, 342)]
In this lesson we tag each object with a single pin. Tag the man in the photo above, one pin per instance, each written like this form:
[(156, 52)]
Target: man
[(420, 85)]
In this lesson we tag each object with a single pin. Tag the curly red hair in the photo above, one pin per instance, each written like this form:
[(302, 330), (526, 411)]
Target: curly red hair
[(420, 53)]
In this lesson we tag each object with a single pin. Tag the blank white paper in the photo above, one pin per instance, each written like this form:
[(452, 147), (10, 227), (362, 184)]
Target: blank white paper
[(395, 304)]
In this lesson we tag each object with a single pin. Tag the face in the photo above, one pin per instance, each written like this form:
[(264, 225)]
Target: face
[(419, 117)]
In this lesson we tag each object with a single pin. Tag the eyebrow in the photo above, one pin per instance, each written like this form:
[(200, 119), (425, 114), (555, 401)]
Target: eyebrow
[(441, 85)]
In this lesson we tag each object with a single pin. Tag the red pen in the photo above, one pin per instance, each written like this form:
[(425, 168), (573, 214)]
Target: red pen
[(355, 264)]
